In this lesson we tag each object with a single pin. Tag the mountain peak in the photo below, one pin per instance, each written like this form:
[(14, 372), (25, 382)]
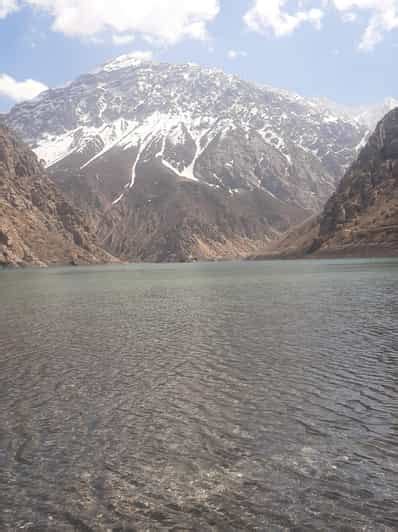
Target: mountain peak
[(133, 59)]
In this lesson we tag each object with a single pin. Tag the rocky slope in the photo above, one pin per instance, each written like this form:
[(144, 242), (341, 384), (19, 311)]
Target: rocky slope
[(38, 226), (168, 218), (361, 218)]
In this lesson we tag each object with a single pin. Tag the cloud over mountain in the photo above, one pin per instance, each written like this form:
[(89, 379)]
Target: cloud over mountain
[(19, 91), (155, 20), (281, 18), (272, 15)]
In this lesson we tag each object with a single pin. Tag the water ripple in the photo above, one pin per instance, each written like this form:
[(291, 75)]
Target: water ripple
[(200, 397)]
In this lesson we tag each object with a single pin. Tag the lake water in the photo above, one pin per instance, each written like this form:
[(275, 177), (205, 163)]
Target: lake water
[(232, 396)]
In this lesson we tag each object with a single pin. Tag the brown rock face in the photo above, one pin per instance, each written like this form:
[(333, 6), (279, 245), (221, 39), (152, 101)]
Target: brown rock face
[(38, 226), (361, 218), (166, 218)]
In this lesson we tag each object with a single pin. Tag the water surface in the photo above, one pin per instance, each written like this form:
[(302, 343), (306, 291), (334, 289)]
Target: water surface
[(233, 396)]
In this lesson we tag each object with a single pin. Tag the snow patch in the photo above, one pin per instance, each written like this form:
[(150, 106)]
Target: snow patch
[(53, 149), (189, 171)]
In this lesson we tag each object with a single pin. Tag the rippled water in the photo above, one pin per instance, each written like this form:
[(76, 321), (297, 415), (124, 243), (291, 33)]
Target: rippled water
[(258, 396)]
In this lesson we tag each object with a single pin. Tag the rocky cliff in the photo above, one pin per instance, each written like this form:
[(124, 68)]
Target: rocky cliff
[(38, 226), (361, 218)]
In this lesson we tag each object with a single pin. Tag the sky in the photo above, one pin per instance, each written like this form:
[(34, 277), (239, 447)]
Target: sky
[(344, 50)]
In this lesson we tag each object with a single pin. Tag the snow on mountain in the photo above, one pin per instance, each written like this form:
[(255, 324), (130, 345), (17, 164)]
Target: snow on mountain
[(372, 114), (366, 115), (200, 124)]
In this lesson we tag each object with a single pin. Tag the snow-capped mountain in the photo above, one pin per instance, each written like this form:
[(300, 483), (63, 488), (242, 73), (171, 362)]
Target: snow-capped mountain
[(366, 115), (180, 162), (372, 114), (199, 124)]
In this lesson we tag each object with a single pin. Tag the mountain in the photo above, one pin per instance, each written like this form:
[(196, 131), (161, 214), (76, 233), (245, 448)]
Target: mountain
[(38, 225), (182, 162), (361, 218), (370, 115), (366, 115), (196, 123)]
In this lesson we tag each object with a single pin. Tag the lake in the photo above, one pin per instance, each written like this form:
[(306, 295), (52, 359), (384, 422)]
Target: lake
[(229, 396)]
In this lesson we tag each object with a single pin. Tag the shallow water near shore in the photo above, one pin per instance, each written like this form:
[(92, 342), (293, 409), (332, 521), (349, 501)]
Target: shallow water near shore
[(230, 396)]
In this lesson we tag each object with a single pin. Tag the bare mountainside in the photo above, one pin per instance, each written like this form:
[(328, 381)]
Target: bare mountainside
[(38, 225), (361, 218)]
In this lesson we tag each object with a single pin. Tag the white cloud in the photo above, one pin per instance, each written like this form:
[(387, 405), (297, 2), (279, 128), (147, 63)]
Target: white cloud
[(383, 18), (162, 21), (170, 21), (19, 91), (349, 17), (7, 7), (283, 17), (121, 40), (272, 16), (142, 55), (235, 54)]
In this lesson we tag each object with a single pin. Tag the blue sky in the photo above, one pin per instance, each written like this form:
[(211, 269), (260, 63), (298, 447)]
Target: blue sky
[(341, 49)]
